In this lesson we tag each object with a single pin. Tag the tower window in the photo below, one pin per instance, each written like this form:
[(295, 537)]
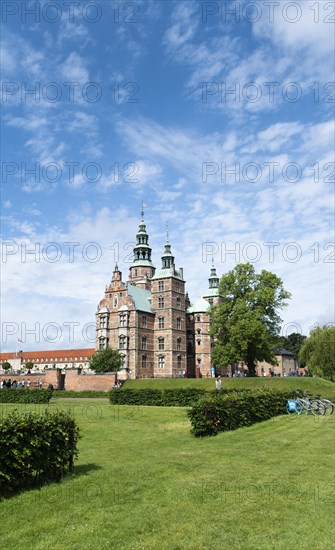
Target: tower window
[(198, 342), (144, 321), (123, 320), (135, 272), (160, 286), (161, 344), (178, 344), (122, 342), (144, 361), (178, 322), (198, 318), (178, 302), (103, 322), (161, 362), (179, 362), (161, 302), (160, 322), (210, 301), (144, 342), (199, 331)]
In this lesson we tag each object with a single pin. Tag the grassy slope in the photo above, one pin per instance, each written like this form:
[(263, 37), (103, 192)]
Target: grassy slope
[(314, 385), (143, 482)]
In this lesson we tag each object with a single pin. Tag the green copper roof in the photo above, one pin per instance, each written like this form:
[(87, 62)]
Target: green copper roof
[(167, 272), (210, 292), (200, 306), (141, 297)]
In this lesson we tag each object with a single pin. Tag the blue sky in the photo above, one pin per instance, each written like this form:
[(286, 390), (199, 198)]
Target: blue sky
[(158, 101)]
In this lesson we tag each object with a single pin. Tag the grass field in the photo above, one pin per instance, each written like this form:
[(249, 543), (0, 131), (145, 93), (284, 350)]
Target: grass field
[(314, 385), (143, 482)]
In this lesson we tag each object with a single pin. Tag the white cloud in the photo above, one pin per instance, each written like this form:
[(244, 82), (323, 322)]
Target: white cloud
[(73, 69)]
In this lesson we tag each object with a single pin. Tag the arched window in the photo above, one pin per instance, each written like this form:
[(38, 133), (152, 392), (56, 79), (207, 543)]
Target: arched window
[(144, 342), (178, 344), (178, 323)]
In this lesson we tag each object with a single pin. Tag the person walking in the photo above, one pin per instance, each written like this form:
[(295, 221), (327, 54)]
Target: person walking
[(218, 383)]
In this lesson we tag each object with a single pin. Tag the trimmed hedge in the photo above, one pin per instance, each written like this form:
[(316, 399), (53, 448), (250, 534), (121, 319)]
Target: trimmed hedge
[(25, 395), (179, 397), (230, 412), (35, 449), (81, 394)]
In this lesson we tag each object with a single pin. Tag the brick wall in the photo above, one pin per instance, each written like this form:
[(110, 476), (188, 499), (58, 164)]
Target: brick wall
[(74, 380)]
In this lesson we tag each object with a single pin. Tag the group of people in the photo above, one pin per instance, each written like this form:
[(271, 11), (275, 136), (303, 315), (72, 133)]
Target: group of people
[(8, 383)]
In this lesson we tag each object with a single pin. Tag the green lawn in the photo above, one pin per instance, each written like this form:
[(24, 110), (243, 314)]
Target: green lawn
[(143, 482), (314, 385)]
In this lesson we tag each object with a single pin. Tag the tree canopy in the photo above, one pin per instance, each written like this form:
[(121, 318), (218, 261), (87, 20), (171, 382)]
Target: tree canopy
[(245, 326), (318, 352), (6, 365), (106, 360), (293, 343)]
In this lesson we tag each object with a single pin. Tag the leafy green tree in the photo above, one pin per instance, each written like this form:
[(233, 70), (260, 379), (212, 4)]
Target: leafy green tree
[(293, 343), (245, 326), (29, 365), (6, 365), (106, 360), (318, 352)]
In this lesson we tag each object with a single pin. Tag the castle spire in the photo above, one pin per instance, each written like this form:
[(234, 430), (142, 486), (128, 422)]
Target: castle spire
[(142, 264), (213, 278)]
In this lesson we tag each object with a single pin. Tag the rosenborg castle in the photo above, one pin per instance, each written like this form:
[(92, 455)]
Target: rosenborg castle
[(150, 320)]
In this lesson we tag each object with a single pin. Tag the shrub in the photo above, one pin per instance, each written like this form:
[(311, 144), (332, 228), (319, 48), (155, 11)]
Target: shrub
[(25, 395), (215, 414), (81, 394), (35, 449), (178, 397)]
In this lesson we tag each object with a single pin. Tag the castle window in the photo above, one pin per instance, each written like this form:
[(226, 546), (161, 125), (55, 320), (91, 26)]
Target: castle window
[(177, 287), (161, 302), (179, 361), (178, 323), (123, 320), (135, 272), (115, 302), (161, 362), (102, 343), (144, 321), (198, 318), (178, 344), (178, 302), (160, 322), (199, 331), (120, 294), (161, 344), (144, 361), (103, 322), (122, 342), (210, 300), (160, 285), (144, 342), (198, 342)]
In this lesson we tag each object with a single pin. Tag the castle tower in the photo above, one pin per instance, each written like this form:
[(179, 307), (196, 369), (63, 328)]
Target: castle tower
[(168, 304), (142, 269), (212, 294)]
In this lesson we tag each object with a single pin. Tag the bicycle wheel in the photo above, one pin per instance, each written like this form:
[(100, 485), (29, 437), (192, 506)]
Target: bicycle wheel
[(297, 410), (317, 408), (328, 406)]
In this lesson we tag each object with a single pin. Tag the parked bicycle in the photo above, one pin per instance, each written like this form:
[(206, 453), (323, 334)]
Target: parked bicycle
[(313, 406)]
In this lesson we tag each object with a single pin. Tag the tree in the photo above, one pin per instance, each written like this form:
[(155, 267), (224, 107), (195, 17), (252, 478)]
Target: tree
[(318, 352), (293, 343), (106, 360), (6, 366), (245, 326), (29, 365)]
